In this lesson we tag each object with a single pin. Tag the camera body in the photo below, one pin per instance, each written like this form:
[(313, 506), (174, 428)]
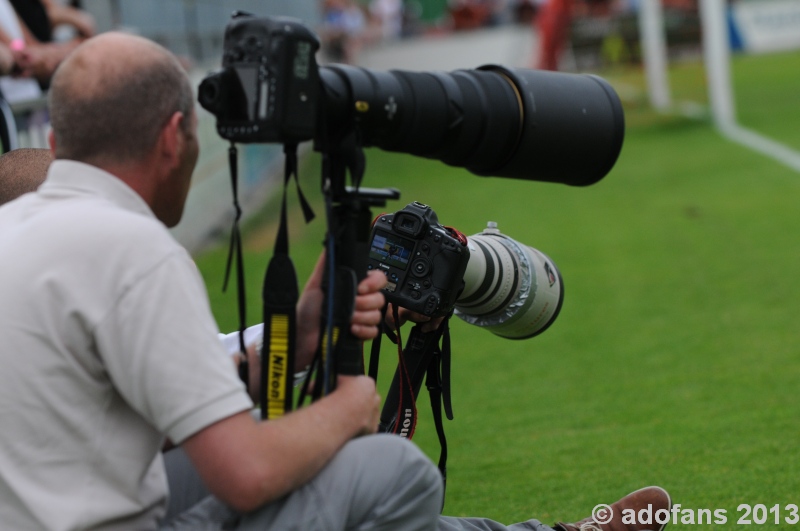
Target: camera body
[(423, 260), (268, 88)]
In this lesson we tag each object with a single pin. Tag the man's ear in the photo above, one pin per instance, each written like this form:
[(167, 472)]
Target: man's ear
[(171, 140)]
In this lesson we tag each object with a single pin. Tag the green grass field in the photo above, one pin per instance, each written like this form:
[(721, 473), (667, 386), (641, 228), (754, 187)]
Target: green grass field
[(674, 360)]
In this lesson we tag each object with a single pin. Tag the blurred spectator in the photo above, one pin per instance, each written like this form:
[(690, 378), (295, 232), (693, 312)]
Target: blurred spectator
[(468, 14), (524, 11), (33, 16), (344, 27), (30, 25), (387, 17), (54, 20), (552, 24), (6, 60), (12, 38), (597, 8), (412, 18), (472, 14), (61, 14)]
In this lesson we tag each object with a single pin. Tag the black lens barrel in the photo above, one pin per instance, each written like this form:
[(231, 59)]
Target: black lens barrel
[(494, 121), (573, 128)]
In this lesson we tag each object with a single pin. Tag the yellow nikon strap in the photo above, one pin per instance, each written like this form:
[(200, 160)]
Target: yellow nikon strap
[(280, 296), (277, 354), (330, 338)]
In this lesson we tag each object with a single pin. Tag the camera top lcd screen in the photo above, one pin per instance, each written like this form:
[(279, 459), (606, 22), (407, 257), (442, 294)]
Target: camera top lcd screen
[(391, 250)]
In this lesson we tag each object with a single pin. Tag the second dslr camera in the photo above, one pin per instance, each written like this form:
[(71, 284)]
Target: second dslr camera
[(489, 279), (423, 261)]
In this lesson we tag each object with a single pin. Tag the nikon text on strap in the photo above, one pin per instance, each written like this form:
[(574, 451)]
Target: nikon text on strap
[(279, 297)]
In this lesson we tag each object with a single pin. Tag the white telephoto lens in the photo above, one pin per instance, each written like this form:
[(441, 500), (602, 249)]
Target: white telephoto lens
[(511, 289)]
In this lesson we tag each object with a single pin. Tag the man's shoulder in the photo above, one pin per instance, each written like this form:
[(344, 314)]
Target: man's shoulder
[(112, 220), (99, 207), (100, 223), (95, 234)]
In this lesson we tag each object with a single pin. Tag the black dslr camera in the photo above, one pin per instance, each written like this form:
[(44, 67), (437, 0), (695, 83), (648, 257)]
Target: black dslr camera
[(268, 88), (423, 260)]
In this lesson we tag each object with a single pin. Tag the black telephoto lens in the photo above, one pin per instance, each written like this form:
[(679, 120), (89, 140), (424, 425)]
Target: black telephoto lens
[(494, 121)]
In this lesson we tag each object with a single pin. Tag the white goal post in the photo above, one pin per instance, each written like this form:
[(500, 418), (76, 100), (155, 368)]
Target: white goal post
[(716, 58)]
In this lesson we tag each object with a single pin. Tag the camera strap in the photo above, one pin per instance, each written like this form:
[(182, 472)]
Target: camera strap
[(235, 248), (421, 358), (434, 381), (279, 296), (403, 420)]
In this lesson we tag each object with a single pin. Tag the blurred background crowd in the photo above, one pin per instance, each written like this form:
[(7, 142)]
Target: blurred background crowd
[(36, 34), (348, 26), (573, 35)]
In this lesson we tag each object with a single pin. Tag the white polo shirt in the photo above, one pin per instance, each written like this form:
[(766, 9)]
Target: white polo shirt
[(107, 344)]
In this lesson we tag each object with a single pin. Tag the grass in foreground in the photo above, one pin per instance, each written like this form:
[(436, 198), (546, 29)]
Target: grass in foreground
[(673, 361)]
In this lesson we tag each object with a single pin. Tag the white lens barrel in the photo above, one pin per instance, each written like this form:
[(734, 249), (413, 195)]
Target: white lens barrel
[(511, 289)]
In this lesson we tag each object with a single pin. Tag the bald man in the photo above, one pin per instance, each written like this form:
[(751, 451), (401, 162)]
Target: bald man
[(21, 171), (109, 346)]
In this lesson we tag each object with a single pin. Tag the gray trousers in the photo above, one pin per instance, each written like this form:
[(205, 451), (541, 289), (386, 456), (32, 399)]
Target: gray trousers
[(375, 483)]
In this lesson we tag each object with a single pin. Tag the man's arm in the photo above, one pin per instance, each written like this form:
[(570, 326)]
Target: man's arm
[(246, 463)]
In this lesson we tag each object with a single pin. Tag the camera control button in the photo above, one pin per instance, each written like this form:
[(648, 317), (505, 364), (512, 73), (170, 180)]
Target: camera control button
[(420, 268), (431, 304), (415, 294)]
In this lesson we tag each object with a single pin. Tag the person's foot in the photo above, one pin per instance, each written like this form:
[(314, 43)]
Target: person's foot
[(647, 509)]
